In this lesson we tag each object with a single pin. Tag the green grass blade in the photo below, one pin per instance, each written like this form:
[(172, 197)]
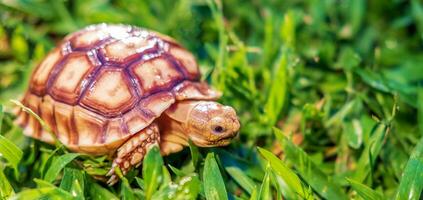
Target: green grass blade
[(152, 171), (218, 75), (420, 110), (277, 92), (288, 30), (1, 117), (44, 190), (195, 154), (6, 189), (73, 181), (411, 185), (364, 191), (98, 192), (241, 178), (140, 183), (126, 191), (42, 193), (214, 186), (265, 192), (10, 152), (57, 165), (187, 187), (290, 178), (370, 152), (312, 174)]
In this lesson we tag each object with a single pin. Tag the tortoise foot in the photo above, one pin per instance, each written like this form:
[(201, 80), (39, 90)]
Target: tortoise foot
[(132, 152)]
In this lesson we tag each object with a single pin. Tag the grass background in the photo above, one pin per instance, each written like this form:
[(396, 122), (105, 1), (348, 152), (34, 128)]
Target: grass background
[(328, 93)]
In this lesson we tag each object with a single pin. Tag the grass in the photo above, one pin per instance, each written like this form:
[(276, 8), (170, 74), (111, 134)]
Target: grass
[(329, 94)]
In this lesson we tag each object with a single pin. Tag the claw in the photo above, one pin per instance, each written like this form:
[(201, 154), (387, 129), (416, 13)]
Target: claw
[(112, 180), (113, 176), (111, 171)]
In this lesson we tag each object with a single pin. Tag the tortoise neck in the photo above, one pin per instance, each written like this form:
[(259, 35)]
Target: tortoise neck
[(173, 136)]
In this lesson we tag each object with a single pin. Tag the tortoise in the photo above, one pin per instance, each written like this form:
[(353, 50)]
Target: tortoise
[(114, 89)]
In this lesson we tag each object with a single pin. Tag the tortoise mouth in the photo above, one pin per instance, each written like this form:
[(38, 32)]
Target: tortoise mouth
[(224, 141)]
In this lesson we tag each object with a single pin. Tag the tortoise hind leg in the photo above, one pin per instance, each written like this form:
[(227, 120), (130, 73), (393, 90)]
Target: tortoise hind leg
[(132, 152)]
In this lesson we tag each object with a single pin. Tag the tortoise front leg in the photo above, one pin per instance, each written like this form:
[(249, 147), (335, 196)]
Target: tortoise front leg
[(132, 152)]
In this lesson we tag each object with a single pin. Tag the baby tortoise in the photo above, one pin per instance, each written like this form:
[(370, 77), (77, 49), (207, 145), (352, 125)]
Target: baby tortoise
[(117, 90)]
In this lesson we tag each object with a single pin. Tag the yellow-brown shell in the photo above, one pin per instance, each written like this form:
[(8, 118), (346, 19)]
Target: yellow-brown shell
[(104, 83)]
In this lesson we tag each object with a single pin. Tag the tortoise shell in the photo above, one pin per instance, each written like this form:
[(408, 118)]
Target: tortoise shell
[(104, 83)]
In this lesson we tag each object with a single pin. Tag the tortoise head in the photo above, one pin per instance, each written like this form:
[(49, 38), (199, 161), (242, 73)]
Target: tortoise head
[(211, 124)]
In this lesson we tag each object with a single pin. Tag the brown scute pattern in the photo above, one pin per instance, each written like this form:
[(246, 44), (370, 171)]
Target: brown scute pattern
[(42, 72), (116, 129), (72, 78), (63, 114), (47, 112), (86, 124), (157, 104), (187, 60), (94, 100), (94, 35), (137, 119), (34, 127), (156, 75), (195, 90), (111, 93), (124, 50)]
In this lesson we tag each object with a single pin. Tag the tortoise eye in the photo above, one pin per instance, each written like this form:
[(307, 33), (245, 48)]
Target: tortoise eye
[(218, 129)]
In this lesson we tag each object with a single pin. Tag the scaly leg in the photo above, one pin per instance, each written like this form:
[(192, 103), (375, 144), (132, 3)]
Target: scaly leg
[(132, 152)]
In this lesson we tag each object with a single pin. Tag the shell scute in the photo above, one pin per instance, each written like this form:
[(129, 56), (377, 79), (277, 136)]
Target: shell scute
[(87, 123), (116, 130), (34, 127), (187, 60), (136, 120), (156, 75), (42, 72), (124, 50), (110, 93), (96, 34), (63, 114), (72, 78)]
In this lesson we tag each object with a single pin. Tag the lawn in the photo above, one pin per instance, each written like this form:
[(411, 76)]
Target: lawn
[(329, 95)]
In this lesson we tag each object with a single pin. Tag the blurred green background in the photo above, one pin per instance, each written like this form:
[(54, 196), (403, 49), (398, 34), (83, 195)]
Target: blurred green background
[(330, 90)]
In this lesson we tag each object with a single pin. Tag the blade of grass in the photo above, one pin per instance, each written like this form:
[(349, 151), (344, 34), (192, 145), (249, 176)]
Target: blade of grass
[(419, 110), (264, 192), (6, 189), (214, 186), (411, 184), (57, 165), (370, 152), (187, 187), (11, 153), (277, 92), (152, 171), (364, 191), (97, 192), (126, 191), (311, 173), (195, 154), (218, 75), (44, 190), (73, 181), (1, 117), (242, 179), (290, 178), (288, 30)]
